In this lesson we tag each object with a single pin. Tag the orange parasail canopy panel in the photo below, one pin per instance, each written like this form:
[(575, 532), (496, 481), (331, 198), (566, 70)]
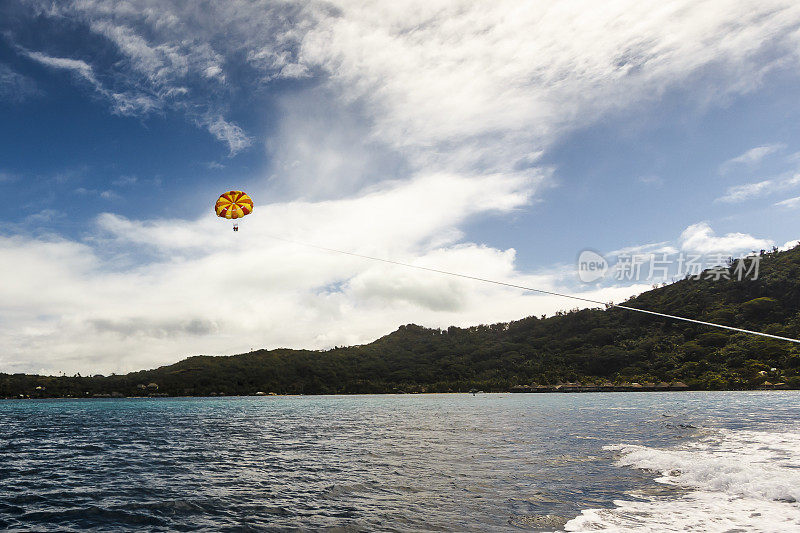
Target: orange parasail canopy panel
[(233, 204)]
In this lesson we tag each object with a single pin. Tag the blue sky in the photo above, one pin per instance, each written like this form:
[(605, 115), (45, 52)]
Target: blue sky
[(495, 140)]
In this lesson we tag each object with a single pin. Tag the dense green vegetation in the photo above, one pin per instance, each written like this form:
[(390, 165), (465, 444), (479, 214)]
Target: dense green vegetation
[(586, 345)]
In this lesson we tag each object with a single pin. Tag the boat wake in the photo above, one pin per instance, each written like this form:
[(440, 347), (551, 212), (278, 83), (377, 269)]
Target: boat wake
[(732, 481)]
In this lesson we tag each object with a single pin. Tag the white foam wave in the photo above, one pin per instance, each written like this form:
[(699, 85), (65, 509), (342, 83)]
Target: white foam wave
[(698, 511), (735, 481)]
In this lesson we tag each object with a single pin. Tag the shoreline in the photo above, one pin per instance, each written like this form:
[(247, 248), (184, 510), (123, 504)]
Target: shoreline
[(518, 390)]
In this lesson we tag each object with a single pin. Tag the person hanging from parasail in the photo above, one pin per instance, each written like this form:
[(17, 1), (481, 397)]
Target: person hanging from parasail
[(233, 205)]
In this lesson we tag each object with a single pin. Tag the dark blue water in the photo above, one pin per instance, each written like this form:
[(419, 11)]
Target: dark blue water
[(353, 463)]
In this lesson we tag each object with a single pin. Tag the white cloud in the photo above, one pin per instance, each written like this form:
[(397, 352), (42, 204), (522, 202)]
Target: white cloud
[(159, 58), (124, 181), (789, 203), (109, 195), (740, 193), (489, 77), (105, 194), (749, 191), (664, 247), (700, 238), (323, 149), (14, 87), (8, 177), (123, 103), (214, 71), (197, 287), (752, 156), (456, 83), (45, 216), (157, 63), (147, 292), (652, 180), (462, 96), (234, 136), (77, 66)]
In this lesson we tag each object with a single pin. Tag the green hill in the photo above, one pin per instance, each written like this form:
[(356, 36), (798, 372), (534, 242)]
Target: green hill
[(592, 344)]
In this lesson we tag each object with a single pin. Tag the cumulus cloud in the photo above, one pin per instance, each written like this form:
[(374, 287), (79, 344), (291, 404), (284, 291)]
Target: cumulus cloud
[(197, 287), (701, 238), (439, 112)]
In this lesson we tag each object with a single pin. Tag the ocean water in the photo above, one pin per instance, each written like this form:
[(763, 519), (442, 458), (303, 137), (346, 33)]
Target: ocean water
[(682, 461)]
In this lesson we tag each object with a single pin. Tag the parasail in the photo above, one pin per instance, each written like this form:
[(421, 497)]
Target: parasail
[(233, 205)]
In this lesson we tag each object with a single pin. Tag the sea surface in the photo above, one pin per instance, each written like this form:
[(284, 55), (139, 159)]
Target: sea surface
[(661, 461)]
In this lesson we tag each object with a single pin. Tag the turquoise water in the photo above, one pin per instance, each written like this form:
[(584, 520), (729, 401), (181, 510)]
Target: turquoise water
[(450, 462)]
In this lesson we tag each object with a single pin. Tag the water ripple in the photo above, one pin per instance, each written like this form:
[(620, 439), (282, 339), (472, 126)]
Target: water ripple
[(355, 463)]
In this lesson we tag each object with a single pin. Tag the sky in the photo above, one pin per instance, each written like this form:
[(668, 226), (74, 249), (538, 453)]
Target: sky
[(495, 139)]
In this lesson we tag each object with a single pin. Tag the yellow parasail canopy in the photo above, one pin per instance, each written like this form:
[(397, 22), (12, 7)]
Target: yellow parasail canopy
[(233, 204)]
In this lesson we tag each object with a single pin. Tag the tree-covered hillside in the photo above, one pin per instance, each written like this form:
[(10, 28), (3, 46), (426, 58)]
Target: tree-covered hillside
[(587, 345)]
